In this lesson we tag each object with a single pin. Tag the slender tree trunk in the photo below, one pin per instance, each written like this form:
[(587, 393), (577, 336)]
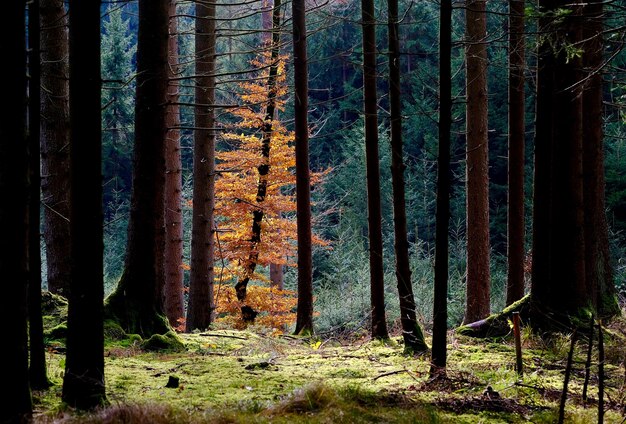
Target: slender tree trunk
[(55, 152), (199, 315), (173, 290), (136, 303), (477, 166), (515, 227), (37, 371), (412, 333), (277, 276), (83, 383), (440, 306), (558, 284), (599, 274), (264, 168), (377, 284), (304, 317), (16, 402)]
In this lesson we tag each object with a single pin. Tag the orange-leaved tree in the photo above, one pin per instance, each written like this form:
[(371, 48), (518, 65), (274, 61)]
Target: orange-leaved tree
[(255, 200)]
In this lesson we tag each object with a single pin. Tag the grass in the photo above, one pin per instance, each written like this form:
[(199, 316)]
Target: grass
[(242, 377)]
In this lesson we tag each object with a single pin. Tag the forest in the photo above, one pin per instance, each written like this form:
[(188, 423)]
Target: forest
[(255, 211)]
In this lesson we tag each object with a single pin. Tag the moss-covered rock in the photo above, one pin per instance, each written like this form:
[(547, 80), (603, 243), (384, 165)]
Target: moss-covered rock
[(168, 342), (53, 310), (113, 331), (56, 333)]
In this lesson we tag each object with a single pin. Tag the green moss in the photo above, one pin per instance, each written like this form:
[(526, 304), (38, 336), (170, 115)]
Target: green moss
[(167, 342), (57, 333), (113, 331)]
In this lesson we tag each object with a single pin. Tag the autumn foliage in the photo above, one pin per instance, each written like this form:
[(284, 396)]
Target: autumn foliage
[(239, 178), (276, 307)]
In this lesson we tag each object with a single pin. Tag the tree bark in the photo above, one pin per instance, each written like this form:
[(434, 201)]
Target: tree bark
[(599, 274), (411, 331), (304, 316), (55, 152), (377, 284), (516, 224), (16, 402), (83, 383), (136, 304), (199, 315), (558, 277), (37, 371), (477, 166), (440, 304), (173, 290)]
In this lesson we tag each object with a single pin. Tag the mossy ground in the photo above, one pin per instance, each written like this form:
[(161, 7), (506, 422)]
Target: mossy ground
[(240, 376)]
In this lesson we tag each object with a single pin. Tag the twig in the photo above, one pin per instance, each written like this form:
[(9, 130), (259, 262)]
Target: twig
[(588, 362), (568, 371), (389, 373), (222, 335), (600, 374)]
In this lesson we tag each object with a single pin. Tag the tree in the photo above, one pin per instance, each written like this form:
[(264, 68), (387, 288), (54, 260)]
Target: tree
[(238, 184), (83, 382), (440, 306), (515, 227), (563, 288), (201, 306), (412, 333), (173, 290), (37, 370), (136, 304), (477, 172), (598, 270), (304, 319), (117, 52), (55, 156), (266, 123), (17, 404), (377, 284)]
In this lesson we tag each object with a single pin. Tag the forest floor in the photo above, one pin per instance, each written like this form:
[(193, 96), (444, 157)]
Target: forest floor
[(228, 376)]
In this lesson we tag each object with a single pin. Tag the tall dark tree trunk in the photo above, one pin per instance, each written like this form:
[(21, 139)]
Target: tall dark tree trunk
[(377, 283), (37, 370), (304, 316), (515, 227), (264, 168), (136, 303), (599, 274), (173, 290), (477, 166), (199, 315), (16, 401), (440, 304), (55, 151), (558, 276), (83, 383), (412, 333)]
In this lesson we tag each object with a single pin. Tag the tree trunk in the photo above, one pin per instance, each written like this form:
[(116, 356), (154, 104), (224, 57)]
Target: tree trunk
[(173, 290), (515, 227), (477, 166), (37, 371), (440, 304), (377, 284), (55, 152), (199, 315), (83, 383), (304, 316), (16, 401), (558, 279), (136, 304), (264, 168), (277, 276), (599, 274), (411, 332)]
